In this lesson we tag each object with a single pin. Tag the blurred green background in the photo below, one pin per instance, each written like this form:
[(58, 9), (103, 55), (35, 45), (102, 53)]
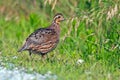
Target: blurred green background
[(90, 33)]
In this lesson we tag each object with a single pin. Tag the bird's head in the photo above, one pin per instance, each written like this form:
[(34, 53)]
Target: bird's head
[(58, 18)]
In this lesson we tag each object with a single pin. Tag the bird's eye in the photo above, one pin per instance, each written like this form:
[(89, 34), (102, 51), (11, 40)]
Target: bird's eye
[(58, 16)]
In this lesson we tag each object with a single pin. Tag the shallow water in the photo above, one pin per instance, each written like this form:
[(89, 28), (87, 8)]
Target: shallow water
[(14, 73)]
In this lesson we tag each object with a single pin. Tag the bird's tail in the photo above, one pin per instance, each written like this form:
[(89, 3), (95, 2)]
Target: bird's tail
[(22, 48)]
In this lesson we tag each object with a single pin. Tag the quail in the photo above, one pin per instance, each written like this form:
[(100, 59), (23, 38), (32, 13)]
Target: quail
[(44, 40)]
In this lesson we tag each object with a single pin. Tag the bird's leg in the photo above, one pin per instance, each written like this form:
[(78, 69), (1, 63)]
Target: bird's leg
[(30, 55), (43, 57)]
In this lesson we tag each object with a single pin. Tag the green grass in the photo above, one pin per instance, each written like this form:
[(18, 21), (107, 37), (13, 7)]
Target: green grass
[(89, 36)]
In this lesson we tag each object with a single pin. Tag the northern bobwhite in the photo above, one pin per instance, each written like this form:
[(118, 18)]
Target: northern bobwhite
[(44, 40)]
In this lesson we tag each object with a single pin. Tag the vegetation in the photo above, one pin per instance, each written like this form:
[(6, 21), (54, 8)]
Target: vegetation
[(91, 33)]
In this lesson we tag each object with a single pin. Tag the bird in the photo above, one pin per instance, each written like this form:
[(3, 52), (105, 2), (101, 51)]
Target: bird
[(44, 40)]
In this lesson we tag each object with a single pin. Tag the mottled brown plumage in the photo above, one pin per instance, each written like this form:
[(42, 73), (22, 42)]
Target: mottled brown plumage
[(44, 40)]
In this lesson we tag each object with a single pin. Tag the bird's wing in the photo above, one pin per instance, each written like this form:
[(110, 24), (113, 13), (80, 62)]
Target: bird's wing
[(42, 35), (42, 38)]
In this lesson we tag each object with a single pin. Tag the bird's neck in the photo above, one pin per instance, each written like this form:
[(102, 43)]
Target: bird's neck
[(56, 22), (55, 26)]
